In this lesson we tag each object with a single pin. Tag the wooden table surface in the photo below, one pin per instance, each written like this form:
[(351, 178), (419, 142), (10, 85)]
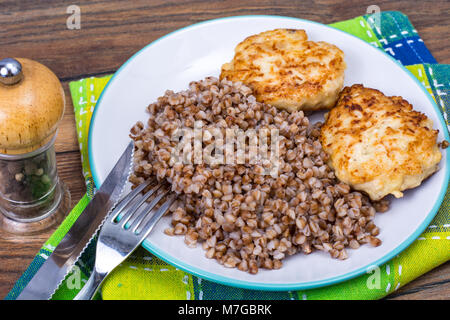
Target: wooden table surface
[(111, 31)]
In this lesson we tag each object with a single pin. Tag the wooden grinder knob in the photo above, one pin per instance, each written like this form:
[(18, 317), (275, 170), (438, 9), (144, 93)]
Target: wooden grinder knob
[(31, 105)]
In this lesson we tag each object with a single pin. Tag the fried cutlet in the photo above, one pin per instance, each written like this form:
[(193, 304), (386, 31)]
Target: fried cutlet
[(287, 70), (379, 144)]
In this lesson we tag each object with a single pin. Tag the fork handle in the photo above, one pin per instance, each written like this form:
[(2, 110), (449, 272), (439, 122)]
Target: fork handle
[(91, 286)]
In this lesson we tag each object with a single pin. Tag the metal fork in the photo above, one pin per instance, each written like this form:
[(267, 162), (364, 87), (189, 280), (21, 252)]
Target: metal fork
[(128, 225)]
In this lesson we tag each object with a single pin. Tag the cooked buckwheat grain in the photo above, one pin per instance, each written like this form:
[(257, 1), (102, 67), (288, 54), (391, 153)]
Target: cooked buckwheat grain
[(242, 217)]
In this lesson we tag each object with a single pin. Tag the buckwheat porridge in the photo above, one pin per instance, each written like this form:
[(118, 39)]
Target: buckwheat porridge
[(242, 216)]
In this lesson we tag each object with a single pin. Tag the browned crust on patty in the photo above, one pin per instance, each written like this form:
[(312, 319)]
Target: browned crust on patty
[(379, 144), (286, 70)]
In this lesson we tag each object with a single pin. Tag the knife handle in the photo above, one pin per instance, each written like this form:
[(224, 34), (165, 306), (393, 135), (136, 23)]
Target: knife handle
[(91, 286)]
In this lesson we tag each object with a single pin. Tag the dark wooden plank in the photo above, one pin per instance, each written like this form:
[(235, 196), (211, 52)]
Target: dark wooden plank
[(111, 31), (66, 139)]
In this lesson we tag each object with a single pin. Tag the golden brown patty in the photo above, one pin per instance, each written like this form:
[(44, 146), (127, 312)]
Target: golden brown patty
[(288, 71), (379, 144)]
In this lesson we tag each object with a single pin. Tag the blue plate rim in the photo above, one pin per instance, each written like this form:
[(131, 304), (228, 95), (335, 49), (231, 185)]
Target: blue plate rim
[(275, 286)]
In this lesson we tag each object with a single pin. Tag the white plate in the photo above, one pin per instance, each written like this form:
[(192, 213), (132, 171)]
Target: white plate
[(198, 51)]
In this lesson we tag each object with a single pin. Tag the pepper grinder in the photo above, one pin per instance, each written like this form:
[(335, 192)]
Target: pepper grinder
[(32, 197)]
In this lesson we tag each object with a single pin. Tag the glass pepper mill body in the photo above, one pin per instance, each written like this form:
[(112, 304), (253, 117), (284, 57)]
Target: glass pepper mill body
[(32, 197)]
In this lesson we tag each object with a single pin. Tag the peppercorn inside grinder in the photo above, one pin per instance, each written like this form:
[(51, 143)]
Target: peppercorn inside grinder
[(32, 197)]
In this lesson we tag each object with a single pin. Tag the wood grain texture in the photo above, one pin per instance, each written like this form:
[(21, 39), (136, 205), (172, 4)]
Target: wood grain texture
[(111, 31)]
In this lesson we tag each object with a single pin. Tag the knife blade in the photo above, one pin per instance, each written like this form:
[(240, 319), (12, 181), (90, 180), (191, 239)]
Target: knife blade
[(51, 274)]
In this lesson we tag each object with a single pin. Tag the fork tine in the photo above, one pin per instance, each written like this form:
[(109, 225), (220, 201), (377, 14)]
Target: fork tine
[(115, 242), (148, 226), (141, 216), (128, 198), (130, 212)]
